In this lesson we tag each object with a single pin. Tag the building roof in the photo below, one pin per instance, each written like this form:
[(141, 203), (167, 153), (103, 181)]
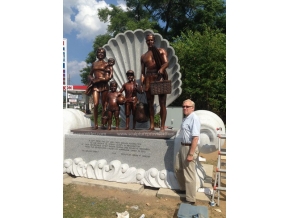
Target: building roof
[(75, 89)]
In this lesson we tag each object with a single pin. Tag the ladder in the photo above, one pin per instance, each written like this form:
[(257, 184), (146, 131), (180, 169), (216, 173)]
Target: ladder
[(217, 182)]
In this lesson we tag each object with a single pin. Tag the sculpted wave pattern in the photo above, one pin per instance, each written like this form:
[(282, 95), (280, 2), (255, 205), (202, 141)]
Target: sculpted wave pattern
[(115, 171)]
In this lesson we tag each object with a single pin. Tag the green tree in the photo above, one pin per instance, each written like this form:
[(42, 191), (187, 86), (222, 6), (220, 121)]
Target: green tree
[(121, 21), (202, 59), (177, 16)]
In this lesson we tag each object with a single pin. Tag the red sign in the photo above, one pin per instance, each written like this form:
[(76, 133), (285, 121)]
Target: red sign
[(75, 87), (69, 87)]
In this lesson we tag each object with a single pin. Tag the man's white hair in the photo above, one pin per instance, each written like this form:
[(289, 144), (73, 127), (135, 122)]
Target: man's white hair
[(191, 102)]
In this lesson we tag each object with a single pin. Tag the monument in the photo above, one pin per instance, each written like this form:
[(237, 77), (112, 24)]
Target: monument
[(135, 156)]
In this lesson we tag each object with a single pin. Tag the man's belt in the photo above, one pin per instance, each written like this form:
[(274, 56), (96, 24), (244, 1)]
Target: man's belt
[(185, 144)]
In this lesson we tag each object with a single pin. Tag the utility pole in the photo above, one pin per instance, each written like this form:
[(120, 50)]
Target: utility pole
[(64, 50)]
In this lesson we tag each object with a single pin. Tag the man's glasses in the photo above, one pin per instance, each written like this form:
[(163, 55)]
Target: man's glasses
[(186, 106)]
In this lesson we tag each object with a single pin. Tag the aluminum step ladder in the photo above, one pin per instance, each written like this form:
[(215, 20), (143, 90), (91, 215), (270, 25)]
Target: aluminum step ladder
[(217, 182)]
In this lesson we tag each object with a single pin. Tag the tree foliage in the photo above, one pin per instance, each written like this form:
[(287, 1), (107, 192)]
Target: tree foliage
[(202, 59), (176, 16), (121, 21)]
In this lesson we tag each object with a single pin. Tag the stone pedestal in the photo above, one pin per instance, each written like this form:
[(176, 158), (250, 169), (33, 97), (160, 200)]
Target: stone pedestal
[(125, 156), (141, 156)]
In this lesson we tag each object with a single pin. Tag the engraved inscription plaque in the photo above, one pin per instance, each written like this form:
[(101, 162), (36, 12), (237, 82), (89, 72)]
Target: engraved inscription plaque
[(136, 152)]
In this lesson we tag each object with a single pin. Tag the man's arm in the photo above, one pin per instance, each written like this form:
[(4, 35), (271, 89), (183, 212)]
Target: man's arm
[(195, 131), (142, 77), (191, 151), (165, 64)]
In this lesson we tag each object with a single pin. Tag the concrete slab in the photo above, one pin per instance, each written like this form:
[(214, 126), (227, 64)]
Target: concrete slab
[(137, 188), (149, 191), (65, 175), (67, 179)]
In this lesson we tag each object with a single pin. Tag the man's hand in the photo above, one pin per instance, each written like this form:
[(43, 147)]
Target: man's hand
[(160, 76), (189, 158)]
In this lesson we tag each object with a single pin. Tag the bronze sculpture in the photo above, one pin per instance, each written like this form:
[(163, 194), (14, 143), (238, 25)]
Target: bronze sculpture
[(112, 105), (131, 88), (153, 67), (98, 86)]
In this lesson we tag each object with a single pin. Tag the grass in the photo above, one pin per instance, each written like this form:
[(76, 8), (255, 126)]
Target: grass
[(78, 206)]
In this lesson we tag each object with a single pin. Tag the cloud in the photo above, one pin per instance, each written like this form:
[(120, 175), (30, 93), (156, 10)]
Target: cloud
[(82, 16), (122, 4), (68, 24), (73, 69)]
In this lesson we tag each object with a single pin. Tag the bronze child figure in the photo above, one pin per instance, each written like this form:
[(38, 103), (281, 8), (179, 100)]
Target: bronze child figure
[(131, 88), (111, 105)]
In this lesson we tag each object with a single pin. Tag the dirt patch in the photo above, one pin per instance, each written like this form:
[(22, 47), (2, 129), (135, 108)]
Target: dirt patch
[(147, 202)]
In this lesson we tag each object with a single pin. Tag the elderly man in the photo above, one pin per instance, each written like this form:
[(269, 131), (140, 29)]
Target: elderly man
[(188, 152)]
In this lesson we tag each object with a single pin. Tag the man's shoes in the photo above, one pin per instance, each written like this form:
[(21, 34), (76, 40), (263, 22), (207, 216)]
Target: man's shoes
[(189, 202)]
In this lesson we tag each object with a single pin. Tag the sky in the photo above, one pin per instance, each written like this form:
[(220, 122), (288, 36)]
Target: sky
[(81, 25)]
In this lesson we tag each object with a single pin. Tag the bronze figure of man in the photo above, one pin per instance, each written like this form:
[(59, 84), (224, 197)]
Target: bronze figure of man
[(153, 65)]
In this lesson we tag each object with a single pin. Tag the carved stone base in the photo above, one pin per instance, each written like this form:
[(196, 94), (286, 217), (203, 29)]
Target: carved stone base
[(146, 161)]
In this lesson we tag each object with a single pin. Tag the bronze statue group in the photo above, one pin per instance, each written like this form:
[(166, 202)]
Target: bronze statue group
[(153, 68)]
